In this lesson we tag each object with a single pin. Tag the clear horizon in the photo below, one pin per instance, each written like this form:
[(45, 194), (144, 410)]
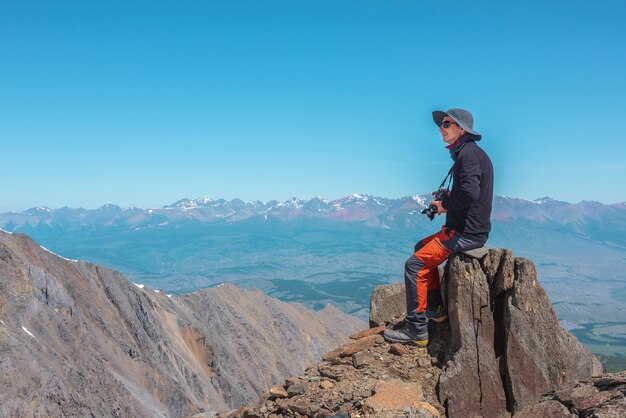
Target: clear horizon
[(143, 104)]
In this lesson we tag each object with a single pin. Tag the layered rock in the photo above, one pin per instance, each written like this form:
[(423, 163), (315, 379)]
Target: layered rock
[(79, 339)]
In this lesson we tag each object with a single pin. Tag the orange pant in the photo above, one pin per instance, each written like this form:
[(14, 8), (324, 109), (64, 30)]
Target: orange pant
[(421, 276)]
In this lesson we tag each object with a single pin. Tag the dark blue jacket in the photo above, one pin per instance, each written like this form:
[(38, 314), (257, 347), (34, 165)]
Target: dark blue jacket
[(469, 203)]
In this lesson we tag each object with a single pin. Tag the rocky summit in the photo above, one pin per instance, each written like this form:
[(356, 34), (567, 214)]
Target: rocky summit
[(501, 354), (78, 339)]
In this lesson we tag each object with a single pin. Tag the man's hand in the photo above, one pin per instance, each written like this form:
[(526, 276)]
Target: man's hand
[(440, 208)]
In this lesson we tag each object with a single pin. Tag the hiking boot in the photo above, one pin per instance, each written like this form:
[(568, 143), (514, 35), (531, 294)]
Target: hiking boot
[(438, 315), (406, 336)]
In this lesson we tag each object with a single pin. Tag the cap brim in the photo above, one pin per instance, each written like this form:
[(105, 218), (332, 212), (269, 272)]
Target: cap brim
[(438, 116)]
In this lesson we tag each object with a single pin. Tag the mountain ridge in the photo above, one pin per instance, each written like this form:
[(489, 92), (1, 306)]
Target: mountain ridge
[(353, 208), (78, 338)]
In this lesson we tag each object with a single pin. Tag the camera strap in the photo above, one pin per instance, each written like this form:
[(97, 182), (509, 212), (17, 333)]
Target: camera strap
[(449, 175), (448, 178)]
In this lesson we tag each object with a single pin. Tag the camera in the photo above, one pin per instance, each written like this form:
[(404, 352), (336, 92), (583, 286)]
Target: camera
[(431, 211)]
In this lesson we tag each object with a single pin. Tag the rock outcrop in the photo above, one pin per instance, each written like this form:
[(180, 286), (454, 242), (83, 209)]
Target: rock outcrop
[(470, 383), (77, 339), (506, 345), (502, 324), (501, 354)]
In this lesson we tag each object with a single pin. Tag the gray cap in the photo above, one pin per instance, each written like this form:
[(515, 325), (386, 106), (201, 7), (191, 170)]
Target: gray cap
[(460, 116)]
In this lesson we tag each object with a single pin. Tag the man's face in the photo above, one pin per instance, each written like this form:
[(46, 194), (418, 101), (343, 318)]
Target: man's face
[(451, 133)]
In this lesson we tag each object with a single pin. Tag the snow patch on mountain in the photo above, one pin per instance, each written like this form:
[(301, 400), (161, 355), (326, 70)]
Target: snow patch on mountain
[(28, 332), (356, 207), (293, 203), (420, 200), (60, 256)]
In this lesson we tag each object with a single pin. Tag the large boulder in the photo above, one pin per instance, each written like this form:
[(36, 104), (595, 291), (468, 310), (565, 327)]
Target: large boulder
[(507, 347), (470, 384)]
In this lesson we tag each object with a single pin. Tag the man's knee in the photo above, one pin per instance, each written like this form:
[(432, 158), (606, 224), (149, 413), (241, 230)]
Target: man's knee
[(413, 264)]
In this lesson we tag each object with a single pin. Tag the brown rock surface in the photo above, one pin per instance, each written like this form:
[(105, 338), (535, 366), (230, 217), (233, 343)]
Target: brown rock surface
[(362, 359), (547, 409), (601, 397), (502, 323), (326, 384), (505, 276), (398, 349), (368, 332), (79, 339), (539, 354), (394, 396), (278, 392), (354, 347), (490, 264), (470, 384)]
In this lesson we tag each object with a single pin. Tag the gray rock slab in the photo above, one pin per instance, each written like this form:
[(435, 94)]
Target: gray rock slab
[(387, 301), (477, 253)]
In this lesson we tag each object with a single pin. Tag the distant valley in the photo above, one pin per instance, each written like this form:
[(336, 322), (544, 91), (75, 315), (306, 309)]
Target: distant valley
[(317, 251)]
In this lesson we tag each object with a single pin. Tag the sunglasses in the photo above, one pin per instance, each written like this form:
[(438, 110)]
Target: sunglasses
[(446, 123)]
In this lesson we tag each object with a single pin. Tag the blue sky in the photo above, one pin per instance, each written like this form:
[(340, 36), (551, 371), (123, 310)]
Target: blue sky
[(145, 103)]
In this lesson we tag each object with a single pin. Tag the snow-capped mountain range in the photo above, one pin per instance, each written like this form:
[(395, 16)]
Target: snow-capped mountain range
[(359, 239), (353, 208)]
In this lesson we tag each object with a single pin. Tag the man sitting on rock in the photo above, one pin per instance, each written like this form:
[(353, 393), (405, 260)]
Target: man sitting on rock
[(468, 209)]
